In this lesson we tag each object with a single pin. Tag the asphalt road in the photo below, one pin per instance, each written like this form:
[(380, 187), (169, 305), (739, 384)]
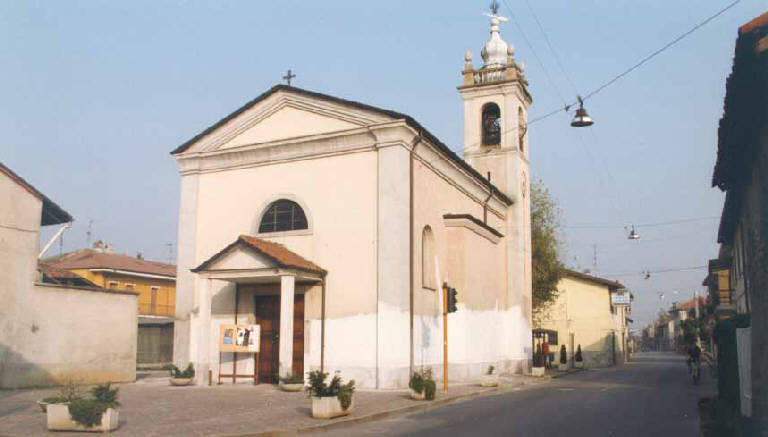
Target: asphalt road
[(651, 396)]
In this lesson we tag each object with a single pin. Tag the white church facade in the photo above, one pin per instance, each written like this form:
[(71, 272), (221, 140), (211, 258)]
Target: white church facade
[(333, 224)]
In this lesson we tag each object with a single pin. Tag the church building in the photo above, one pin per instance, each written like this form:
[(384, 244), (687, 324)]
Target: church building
[(333, 225)]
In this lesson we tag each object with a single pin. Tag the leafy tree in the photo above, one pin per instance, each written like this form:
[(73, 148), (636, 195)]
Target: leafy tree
[(547, 268)]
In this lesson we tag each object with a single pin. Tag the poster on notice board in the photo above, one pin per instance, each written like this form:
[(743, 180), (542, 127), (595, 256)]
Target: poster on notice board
[(239, 338)]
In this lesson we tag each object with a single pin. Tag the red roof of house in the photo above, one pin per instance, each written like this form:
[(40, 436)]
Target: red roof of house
[(93, 259), (691, 304), (278, 253)]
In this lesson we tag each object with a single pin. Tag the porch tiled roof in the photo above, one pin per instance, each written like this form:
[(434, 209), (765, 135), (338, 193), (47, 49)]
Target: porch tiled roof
[(278, 253)]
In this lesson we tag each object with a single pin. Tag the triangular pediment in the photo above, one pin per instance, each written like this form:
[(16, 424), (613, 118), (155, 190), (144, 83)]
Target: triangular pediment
[(282, 114), (240, 258)]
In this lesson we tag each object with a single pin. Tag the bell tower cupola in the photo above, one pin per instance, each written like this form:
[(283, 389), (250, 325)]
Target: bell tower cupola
[(496, 102)]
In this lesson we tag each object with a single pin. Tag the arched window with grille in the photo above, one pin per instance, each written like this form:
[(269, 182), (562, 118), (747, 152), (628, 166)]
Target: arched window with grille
[(283, 215), (428, 259), (491, 124)]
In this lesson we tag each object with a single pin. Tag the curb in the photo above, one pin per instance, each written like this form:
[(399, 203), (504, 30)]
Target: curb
[(350, 421), (566, 373)]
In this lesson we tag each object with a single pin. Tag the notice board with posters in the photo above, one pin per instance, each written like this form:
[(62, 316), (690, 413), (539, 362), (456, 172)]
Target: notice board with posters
[(239, 338)]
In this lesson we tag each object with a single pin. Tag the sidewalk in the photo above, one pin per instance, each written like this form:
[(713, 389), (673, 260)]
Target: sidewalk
[(151, 407)]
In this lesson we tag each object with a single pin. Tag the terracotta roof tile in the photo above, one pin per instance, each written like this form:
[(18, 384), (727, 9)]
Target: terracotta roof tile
[(92, 259), (760, 21), (278, 253)]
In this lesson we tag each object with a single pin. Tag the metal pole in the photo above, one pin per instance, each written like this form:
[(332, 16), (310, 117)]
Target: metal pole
[(445, 338)]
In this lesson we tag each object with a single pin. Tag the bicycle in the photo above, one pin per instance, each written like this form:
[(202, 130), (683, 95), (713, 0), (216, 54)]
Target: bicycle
[(694, 368)]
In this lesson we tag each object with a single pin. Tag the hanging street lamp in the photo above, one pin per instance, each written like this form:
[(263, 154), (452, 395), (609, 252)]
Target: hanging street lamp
[(581, 118)]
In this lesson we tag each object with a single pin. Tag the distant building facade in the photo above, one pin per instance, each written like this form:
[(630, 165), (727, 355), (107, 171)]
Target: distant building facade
[(589, 311), (54, 327)]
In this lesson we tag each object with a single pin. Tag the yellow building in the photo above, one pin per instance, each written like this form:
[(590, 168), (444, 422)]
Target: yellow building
[(154, 281), (590, 312)]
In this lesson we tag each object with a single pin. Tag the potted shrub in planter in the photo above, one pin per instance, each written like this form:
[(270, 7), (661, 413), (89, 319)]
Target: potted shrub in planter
[(330, 400), (490, 378), (291, 383), (422, 386), (416, 386), (578, 360), (67, 393), (98, 414), (563, 366), (538, 362), (185, 377)]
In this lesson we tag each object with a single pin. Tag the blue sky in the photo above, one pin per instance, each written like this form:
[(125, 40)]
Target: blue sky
[(95, 94)]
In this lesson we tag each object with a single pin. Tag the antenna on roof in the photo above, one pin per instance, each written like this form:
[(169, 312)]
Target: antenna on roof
[(88, 233), (170, 252)]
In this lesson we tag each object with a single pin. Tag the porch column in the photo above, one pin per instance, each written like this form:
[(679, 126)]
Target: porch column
[(204, 331), (287, 286)]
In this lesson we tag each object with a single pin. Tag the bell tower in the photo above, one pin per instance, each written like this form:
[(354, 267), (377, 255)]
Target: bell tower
[(496, 103)]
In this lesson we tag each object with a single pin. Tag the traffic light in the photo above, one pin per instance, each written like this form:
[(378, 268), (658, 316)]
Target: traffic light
[(452, 299)]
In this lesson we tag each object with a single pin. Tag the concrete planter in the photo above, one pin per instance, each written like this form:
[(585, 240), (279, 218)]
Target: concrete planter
[(417, 396), (58, 419), (291, 387), (578, 364), (489, 380), (330, 407), (538, 371), (44, 405), (562, 367), (180, 382)]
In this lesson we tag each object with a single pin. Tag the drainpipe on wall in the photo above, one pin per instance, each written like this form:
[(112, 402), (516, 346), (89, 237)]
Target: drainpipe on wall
[(322, 325), (485, 203)]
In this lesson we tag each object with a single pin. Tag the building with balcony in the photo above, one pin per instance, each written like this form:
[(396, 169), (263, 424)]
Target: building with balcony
[(155, 283)]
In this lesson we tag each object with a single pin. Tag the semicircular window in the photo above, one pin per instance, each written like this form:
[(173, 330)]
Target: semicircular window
[(283, 215)]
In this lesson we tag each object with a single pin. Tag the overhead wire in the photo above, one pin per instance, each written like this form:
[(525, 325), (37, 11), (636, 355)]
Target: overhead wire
[(640, 63)]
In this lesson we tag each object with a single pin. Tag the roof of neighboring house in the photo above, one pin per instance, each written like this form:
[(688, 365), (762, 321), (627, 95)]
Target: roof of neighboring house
[(94, 259), (393, 114), (745, 112), (276, 252), (52, 213), (58, 275), (613, 285), (689, 305)]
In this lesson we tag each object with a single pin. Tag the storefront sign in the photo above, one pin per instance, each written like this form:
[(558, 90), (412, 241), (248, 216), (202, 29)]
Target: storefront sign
[(239, 338), (620, 299)]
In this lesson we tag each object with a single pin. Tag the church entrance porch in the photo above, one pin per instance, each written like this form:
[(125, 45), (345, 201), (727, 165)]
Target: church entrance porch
[(257, 282)]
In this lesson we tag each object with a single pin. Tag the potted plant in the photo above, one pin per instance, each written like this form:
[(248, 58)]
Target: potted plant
[(490, 378), (67, 393), (416, 386), (185, 377), (330, 400), (98, 414), (563, 366), (422, 386), (291, 382), (538, 362), (578, 360)]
